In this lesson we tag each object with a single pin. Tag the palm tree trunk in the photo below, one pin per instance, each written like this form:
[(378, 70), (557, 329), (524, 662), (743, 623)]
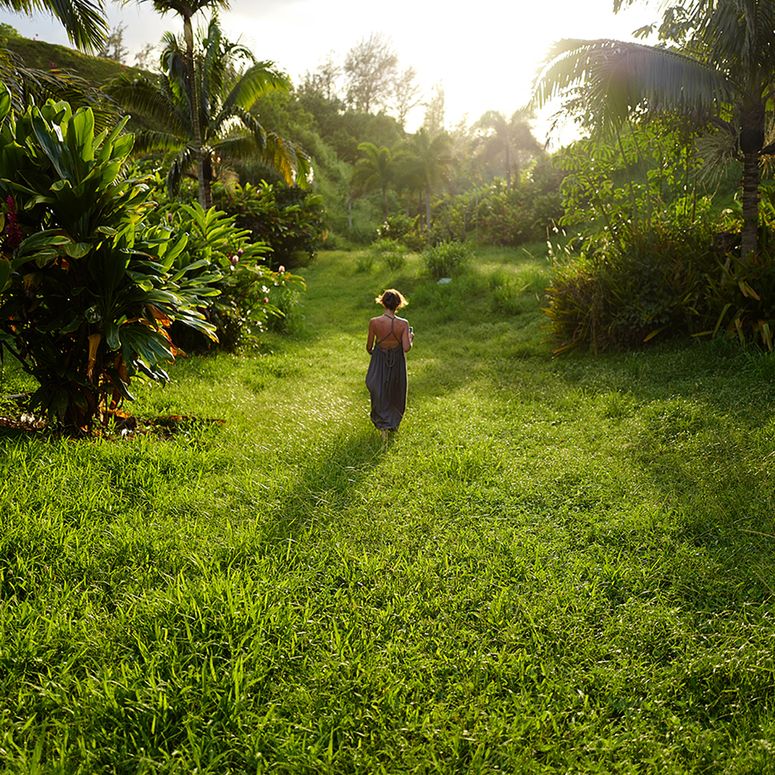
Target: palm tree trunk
[(427, 209), (750, 236), (196, 124), (204, 178), (751, 142)]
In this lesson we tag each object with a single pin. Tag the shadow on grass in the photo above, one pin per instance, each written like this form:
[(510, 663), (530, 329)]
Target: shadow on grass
[(325, 484), (697, 420)]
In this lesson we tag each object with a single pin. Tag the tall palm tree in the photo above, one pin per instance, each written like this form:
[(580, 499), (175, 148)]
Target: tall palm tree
[(722, 71), (374, 171), (508, 139), (425, 163), (187, 9), (84, 20), (223, 127)]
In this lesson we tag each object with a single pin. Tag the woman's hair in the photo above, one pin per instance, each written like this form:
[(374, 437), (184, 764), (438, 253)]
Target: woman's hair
[(392, 299)]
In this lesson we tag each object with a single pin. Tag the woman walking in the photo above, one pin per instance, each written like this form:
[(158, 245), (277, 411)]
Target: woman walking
[(390, 338)]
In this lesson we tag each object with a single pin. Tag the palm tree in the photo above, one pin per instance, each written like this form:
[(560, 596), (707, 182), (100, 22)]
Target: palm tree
[(509, 139), (187, 9), (722, 72), (374, 171), (224, 126), (84, 20), (425, 163)]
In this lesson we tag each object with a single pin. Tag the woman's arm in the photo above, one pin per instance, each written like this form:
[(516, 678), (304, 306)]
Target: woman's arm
[(406, 337), (371, 336)]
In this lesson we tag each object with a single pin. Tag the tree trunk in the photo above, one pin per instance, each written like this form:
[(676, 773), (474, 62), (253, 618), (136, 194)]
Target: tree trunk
[(196, 124), (204, 178), (750, 236), (427, 209), (751, 143)]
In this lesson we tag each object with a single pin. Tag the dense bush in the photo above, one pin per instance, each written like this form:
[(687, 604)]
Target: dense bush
[(86, 302), (661, 280), (251, 296), (289, 220), (650, 257), (446, 258), (496, 214)]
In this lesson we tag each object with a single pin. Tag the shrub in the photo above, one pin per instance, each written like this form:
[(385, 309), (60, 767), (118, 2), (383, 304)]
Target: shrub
[(289, 220), (623, 293), (86, 302), (251, 297), (390, 252), (364, 262), (446, 259), (402, 228)]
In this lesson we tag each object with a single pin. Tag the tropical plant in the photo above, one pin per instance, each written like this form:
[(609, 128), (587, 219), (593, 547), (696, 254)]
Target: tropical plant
[(84, 20), (250, 296), (288, 219), (85, 304), (424, 163), (446, 258), (374, 171), (223, 127), (716, 64), (506, 143)]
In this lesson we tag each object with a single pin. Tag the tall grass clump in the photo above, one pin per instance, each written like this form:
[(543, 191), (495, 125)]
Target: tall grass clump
[(390, 253), (446, 258)]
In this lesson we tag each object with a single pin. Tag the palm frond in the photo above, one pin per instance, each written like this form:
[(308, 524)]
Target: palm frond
[(143, 96), (257, 81), (84, 20), (148, 141), (184, 8), (612, 78), (29, 85)]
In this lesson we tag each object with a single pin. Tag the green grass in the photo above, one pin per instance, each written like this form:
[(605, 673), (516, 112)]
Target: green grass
[(46, 56), (559, 565)]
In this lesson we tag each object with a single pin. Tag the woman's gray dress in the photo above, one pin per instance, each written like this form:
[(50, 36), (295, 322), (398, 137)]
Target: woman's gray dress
[(387, 384)]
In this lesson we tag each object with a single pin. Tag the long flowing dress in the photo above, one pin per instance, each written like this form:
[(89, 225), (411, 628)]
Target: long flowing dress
[(387, 384)]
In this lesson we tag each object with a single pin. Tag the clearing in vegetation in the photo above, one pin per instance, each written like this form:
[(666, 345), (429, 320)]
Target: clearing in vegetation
[(557, 565)]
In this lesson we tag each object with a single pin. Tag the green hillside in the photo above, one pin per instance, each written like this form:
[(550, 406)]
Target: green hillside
[(48, 56)]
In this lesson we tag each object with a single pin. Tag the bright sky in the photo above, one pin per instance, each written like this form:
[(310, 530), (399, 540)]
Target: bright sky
[(484, 54)]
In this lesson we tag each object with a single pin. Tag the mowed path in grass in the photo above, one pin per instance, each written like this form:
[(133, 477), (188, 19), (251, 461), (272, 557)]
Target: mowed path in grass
[(557, 565)]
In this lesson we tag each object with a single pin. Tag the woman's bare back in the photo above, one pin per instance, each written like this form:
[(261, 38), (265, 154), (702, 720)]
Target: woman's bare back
[(388, 332)]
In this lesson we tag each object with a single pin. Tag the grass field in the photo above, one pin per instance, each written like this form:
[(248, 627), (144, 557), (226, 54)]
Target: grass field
[(559, 565)]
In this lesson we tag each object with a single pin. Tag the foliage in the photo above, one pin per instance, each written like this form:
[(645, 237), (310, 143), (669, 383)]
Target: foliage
[(652, 257), (390, 253), (405, 229), (650, 283), (446, 258), (84, 20), (714, 65), (251, 296), (289, 220), (88, 303), (39, 55), (197, 140), (502, 214)]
